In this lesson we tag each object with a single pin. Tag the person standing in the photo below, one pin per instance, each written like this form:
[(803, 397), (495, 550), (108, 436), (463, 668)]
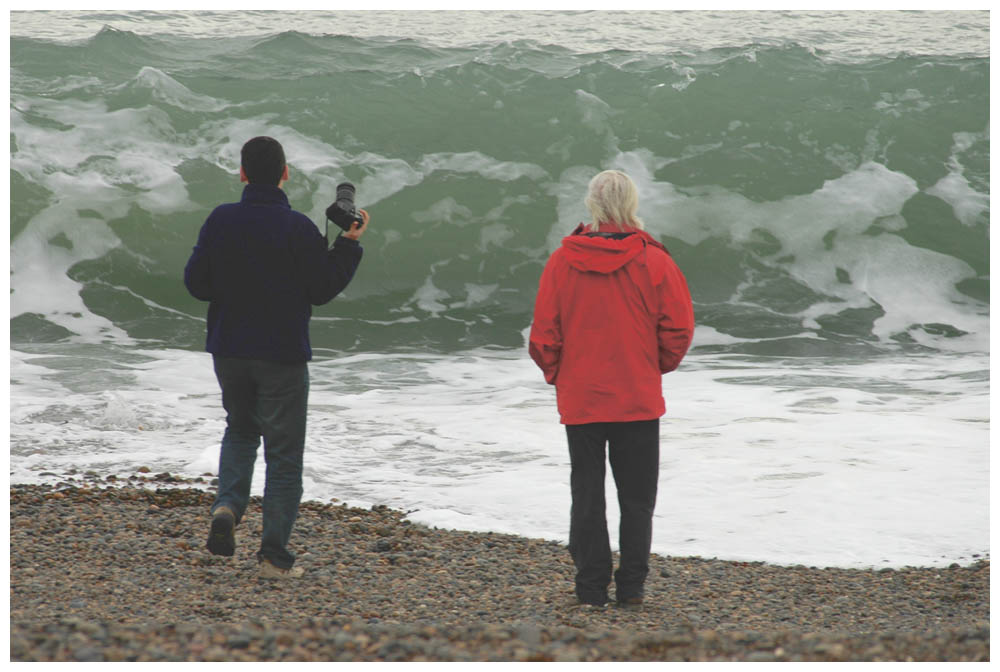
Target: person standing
[(612, 315), (262, 266)]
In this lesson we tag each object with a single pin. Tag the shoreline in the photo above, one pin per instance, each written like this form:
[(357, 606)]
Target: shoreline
[(144, 477), (120, 573)]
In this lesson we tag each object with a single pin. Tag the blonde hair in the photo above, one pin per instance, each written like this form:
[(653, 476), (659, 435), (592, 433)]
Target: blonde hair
[(612, 198)]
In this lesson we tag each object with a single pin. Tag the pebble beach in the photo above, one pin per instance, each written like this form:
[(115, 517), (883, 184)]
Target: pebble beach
[(115, 569)]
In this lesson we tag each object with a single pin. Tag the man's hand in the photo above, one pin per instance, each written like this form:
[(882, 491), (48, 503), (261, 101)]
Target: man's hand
[(356, 230)]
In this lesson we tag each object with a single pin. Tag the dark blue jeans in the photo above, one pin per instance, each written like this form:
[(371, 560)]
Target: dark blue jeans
[(634, 453), (266, 400)]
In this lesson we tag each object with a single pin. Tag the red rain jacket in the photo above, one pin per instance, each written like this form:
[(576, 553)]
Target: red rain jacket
[(612, 315)]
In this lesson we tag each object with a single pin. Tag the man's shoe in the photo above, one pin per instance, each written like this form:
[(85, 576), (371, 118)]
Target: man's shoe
[(221, 540), (269, 571)]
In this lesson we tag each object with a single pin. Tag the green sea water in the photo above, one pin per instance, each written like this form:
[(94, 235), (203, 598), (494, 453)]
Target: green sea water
[(819, 201)]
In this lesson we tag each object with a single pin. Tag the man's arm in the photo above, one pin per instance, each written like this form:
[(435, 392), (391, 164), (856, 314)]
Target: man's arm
[(545, 340), (328, 272), (197, 276), (675, 328)]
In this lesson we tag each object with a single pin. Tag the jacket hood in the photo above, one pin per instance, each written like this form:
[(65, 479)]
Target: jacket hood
[(605, 251)]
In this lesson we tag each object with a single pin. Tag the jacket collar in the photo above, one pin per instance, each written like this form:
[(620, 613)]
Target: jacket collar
[(265, 194), (581, 230)]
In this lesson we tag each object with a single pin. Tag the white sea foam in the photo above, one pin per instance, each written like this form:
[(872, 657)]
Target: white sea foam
[(109, 160), (39, 271), (477, 162), (446, 210), (968, 204), (595, 114), (824, 239), (705, 335), (477, 293), (168, 90), (899, 104), (868, 464), (115, 160), (428, 297), (688, 73), (832, 36)]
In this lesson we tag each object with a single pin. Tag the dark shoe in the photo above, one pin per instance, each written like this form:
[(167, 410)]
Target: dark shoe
[(594, 603), (633, 603), (221, 540), (590, 606)]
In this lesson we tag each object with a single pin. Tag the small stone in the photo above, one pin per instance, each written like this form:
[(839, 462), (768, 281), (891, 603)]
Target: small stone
[(87, 654), (568, 655), (676, 640), (529, 634), (831, 650), (216, 654), (876, 651), (240, 641)]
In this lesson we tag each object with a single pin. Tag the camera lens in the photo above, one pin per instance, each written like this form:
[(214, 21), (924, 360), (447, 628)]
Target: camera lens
[(345, 192)]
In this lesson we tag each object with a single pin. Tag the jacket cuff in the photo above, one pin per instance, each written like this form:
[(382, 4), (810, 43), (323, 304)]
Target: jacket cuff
[(345, 243)]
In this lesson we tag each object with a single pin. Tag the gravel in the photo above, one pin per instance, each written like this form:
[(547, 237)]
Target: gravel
[(117, 571)]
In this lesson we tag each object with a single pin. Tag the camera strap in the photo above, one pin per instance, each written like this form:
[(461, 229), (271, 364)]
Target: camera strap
[(326, 235)]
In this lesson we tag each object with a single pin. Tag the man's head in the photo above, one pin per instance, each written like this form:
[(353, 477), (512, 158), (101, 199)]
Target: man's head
[(262, 161), (612, 198)]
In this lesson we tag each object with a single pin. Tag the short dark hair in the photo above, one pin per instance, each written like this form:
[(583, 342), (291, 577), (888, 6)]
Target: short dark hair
[(263, 160)]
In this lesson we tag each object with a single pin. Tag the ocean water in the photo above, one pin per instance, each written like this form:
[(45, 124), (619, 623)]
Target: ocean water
[(822, 179)]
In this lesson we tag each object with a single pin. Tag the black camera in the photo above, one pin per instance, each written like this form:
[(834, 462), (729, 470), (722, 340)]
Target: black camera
[(342, 211)]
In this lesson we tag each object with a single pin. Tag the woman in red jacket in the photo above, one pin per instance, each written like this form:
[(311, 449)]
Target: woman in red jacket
[(613, 313)]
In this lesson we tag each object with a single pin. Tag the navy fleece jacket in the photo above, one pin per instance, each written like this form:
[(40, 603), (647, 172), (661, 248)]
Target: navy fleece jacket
[(262, 266)]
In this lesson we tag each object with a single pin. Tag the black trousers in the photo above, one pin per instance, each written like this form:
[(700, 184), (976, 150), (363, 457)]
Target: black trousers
[(634, 453)]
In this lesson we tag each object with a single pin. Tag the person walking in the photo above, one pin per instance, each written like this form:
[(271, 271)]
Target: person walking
[(612, 315), (262, 266)]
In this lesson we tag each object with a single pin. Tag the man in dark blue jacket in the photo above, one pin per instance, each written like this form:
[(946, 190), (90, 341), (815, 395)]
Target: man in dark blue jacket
[(262, 266)]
